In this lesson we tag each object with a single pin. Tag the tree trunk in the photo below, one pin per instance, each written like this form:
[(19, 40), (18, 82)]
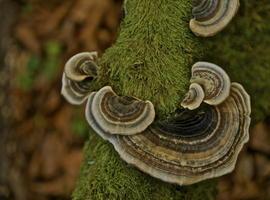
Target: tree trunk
[(243, 50), (151, 60), (8, 10)]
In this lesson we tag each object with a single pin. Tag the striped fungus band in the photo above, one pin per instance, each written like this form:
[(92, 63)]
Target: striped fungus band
[(194, 97), (80, 70), (189, 147), (192, 145), (209, 83), (108, 113), (212, 16)]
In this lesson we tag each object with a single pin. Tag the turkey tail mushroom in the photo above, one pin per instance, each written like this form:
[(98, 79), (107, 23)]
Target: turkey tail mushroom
[(79, 73), (214, 81), (108, 113), (212, 16), (194, 97), (192, 145)]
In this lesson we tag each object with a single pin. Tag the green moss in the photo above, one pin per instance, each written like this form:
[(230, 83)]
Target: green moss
[(151, 60), (153, 54), (243, 49), (105, 176)]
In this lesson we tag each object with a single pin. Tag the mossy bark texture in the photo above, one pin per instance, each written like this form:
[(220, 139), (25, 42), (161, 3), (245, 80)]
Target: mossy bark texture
[(243, 50), (151, 60)]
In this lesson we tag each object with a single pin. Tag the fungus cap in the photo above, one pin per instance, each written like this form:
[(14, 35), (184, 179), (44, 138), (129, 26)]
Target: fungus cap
[(113, 114), (212, 16), (214, 81), (194, 97), (81, 66), (193, 145), (79, 73)]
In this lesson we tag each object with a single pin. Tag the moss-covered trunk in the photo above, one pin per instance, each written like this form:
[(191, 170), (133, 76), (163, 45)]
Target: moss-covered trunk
[(151, 60)]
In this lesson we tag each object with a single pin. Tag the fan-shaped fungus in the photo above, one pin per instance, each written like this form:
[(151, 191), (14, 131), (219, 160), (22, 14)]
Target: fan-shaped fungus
[(79, 72), (194, 97), (212, 16), (214, 81), (108, 113), (193, 145)]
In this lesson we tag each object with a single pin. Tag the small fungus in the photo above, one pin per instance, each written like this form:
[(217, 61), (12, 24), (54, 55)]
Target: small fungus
[(214, 81), (108, 113), (194, 97), (79, 72), (212, 16)]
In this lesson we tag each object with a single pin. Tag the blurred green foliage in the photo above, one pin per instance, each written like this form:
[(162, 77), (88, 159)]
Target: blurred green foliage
[(51, 64), (80, 127), (27, 8), (46, 65), (26, 79)]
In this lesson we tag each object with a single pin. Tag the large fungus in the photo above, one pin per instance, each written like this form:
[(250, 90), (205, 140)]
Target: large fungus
[(194, 97), (79, 72), (192, 145), (108, 113), (188, 147), (214, 81), (212, 16)]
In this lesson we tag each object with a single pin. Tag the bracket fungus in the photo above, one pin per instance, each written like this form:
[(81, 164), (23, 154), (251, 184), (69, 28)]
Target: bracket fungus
[(108, 113), (79, 72), (214, 81), (212, 16), (192, 145), (188, 147), (194, 97)]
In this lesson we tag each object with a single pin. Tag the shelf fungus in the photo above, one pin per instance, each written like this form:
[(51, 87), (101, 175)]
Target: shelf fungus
[(189, 147), (109, 114), (79, 73), (212, 16), (214, 81), (194, 97)]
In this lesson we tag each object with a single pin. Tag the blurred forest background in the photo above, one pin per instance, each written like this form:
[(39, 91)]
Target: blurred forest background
[(42, 137)]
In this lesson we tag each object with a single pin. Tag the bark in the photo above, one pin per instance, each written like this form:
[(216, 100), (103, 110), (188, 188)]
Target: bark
[(151, 60)]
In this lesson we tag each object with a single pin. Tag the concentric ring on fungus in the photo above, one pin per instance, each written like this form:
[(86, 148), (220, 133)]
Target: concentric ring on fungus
[(212, 16), (192, 145), (108, 113), (80, 70), (214, 80), (194, 97)]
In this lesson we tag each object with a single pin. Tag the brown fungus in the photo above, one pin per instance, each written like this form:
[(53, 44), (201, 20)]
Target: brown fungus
[(194, 97), (192, 145), (108, 113), (214, 81), (79, 72), (212, 16)]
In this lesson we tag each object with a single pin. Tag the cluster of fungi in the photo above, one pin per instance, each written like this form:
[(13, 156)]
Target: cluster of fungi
[(204, 136)]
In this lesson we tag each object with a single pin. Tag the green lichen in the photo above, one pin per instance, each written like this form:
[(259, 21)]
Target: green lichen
[(243, 50)]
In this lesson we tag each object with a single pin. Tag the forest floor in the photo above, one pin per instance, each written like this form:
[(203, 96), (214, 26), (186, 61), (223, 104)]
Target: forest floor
[(44, 148)]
